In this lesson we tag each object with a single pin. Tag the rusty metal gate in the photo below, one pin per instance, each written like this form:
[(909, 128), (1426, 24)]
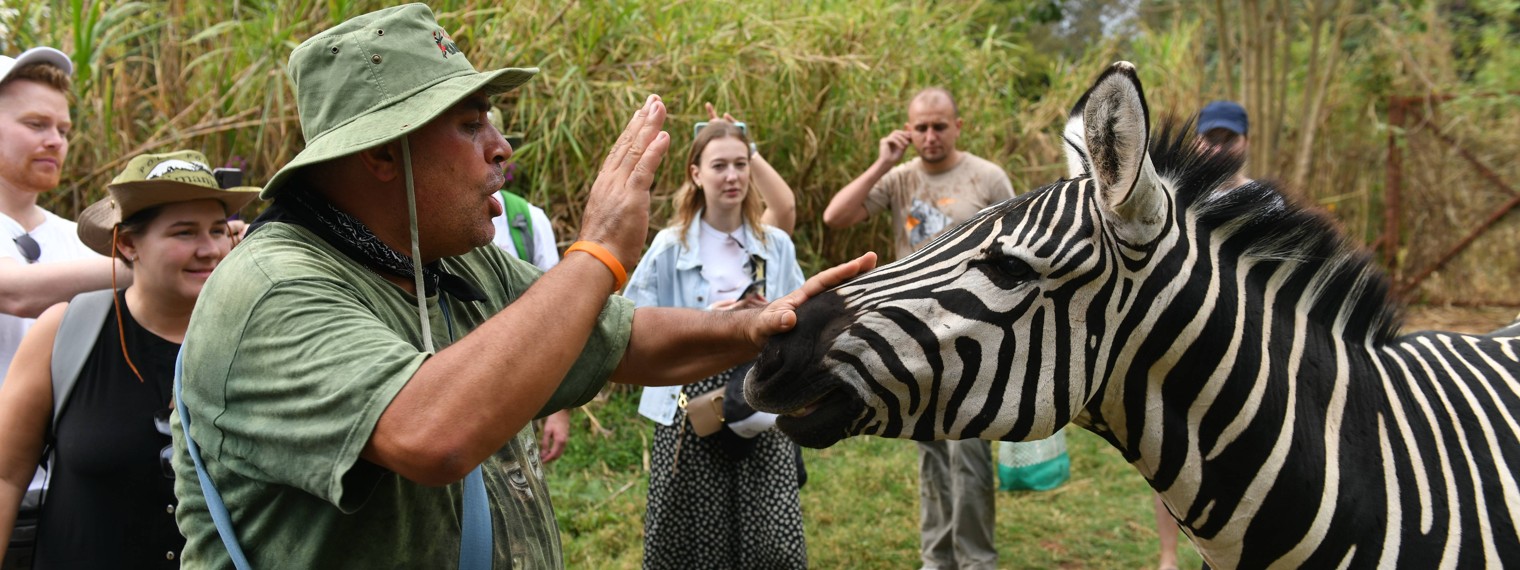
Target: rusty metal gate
[(1449, 227)]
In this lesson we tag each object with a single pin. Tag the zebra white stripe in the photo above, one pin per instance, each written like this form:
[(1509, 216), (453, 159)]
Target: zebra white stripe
[(1232, 346)]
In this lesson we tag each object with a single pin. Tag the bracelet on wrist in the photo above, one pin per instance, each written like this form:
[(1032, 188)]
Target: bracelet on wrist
[(619, 275)]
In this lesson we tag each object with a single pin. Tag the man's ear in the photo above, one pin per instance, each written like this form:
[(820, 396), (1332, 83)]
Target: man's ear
[(384, 161)]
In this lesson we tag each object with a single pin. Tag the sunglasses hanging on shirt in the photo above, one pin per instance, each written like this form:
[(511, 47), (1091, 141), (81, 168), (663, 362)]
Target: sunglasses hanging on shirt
[(165, 455), (29, 247)]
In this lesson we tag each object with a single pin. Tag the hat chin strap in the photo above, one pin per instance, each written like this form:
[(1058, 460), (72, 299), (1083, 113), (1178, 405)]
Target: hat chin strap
[(411, 211)]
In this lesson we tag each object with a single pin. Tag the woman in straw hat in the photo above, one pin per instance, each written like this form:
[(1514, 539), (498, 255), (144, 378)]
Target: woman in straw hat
[(111, 500)]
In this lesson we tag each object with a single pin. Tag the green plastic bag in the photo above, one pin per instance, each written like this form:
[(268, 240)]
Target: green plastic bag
[(1033, 465)]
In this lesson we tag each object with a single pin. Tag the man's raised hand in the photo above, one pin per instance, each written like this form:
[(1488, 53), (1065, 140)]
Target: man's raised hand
[(617, 210)]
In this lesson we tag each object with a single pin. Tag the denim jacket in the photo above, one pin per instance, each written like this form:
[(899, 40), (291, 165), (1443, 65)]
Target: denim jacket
[(670, 274)]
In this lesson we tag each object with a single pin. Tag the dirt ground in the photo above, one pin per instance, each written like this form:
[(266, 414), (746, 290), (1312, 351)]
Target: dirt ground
[(1458, 319)]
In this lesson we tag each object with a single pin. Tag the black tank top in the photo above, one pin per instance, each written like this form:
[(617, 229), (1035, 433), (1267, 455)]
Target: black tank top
[(108, 504)]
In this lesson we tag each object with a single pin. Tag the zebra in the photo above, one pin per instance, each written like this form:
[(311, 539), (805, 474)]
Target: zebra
[(1233, 346)]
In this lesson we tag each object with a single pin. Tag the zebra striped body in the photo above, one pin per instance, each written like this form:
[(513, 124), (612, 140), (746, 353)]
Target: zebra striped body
[(1238, 352)]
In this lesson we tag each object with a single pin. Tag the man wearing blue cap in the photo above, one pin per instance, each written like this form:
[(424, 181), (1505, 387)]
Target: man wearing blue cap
[(1223, 126), (358, 378)]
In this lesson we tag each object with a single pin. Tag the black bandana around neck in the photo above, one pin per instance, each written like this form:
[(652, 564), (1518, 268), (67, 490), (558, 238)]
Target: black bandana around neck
[(351, 237)]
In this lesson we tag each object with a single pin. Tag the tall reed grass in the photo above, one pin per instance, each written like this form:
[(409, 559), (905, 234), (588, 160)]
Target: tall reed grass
[(819, 81)]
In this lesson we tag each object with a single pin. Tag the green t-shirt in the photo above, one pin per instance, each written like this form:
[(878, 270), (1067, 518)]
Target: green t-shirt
[(293, 353)]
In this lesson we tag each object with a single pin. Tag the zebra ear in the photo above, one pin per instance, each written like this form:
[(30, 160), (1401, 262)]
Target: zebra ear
[(1077, 162), (1116, 131)]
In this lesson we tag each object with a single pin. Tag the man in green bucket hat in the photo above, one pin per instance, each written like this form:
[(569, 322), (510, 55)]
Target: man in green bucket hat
[(360, 374)]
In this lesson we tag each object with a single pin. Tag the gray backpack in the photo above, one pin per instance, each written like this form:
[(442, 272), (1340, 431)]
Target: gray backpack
[(76, 339)]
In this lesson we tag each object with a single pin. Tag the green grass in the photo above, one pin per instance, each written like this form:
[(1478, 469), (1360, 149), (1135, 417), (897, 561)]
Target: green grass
[(860, 505)]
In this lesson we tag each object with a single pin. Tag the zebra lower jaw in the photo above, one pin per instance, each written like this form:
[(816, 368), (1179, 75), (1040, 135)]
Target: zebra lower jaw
[(824, 421)]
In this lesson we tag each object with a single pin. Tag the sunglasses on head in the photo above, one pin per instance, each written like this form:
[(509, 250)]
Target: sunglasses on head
[(29, 247), (165, 455)]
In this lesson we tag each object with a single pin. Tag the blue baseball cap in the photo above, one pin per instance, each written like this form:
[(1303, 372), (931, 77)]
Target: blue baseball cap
[(1223, 115)]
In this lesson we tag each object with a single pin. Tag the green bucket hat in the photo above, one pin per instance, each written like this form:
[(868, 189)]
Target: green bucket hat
[(377, 77), (154, 180)]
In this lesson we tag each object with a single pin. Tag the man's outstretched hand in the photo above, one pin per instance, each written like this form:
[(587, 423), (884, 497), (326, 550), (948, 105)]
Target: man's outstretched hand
[(781, 315)]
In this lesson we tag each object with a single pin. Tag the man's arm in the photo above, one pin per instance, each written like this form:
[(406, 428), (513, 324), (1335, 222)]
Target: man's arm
[(672, 346), (848, 207), (459, 407), (26, 290)]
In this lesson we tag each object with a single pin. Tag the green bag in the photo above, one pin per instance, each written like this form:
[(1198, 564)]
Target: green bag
[(1033, 465), (519, 223)]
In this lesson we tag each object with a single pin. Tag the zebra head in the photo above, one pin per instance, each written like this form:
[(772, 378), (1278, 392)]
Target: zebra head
[(999, 329)]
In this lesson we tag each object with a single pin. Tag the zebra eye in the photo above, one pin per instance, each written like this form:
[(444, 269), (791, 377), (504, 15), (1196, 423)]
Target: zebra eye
[(1007, 271)]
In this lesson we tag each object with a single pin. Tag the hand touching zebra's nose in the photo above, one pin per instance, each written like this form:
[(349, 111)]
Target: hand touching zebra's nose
[(781, 315)]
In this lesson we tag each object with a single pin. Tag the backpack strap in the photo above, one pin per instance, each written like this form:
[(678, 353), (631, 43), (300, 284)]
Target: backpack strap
[(519, 224), (81, 325)]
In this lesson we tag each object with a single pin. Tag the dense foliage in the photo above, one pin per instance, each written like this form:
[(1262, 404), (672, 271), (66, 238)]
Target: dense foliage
[(820, 81)]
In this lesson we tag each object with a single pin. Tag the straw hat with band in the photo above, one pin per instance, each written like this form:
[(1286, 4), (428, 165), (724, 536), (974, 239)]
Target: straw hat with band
[(151, 180)]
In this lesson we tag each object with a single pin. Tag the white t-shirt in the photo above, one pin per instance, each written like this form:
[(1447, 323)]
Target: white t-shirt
[(545, 254), (724, 260), (59, 241)]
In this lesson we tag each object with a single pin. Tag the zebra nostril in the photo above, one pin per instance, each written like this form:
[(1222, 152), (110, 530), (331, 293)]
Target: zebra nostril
[(765, 365)]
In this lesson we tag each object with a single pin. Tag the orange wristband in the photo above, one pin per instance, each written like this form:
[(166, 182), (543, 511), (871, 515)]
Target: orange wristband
[(601, 254)]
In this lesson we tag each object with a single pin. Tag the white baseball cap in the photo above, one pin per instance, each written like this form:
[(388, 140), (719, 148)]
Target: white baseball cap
[(46, 55)]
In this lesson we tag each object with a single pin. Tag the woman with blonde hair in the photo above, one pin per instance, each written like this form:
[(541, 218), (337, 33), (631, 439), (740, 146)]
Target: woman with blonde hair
[(729, 499), (110, 499)]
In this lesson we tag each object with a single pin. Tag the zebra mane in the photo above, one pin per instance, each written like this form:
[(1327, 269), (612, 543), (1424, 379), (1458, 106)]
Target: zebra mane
[(1273, 226)]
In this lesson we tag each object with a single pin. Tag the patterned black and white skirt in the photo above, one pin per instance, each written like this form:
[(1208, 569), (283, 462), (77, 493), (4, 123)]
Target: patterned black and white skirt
[(722, 506)]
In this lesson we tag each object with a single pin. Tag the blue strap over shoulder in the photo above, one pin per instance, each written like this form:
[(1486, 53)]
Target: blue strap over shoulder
[(214, 502), (475, 549)]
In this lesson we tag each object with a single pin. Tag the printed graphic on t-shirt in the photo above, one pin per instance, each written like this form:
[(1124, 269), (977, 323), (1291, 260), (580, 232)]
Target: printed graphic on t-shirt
[(923, 221)]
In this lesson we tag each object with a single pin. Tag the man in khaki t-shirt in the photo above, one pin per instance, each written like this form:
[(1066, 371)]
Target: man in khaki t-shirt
[(925, 204), (935, 192)]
